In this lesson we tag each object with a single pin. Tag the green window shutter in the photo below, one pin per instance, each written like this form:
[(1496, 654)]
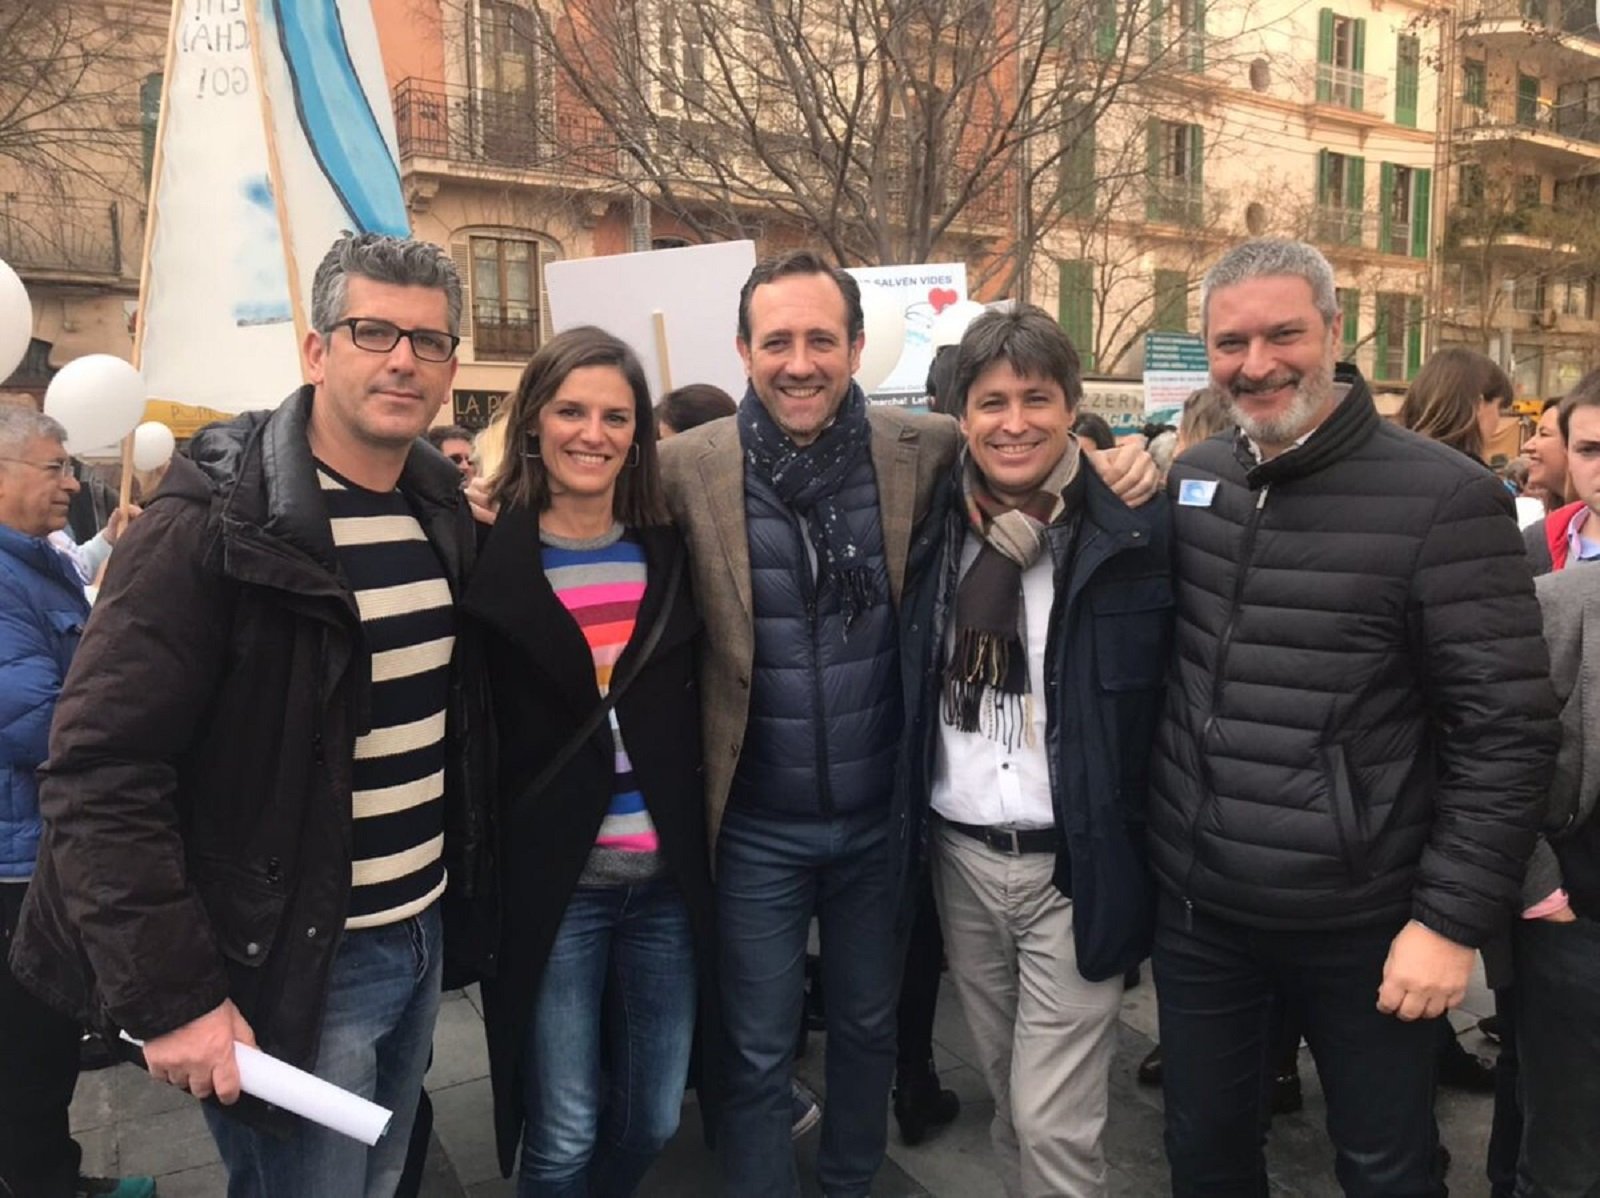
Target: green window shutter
[(1355, 185), (1158, 14), (1153, 207), (1171, 302), (1105, 28), (1350, 306), (1324, 177), (1197, 39), (1421, 185), (1324, 54), (1358, 63), (1407, 61), (1527, 101), (1197, 158), (1077, 168), (1380, 337), (1413, 336), (1055, 16), (149, 119), (1474, 81), (1385, 203), (1076, 307)]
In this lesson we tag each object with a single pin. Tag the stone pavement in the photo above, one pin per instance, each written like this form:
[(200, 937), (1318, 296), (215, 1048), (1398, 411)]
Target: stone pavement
[(128, 1123)]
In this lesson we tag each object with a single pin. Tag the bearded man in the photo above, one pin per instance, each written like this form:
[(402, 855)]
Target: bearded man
[(1357, 738)]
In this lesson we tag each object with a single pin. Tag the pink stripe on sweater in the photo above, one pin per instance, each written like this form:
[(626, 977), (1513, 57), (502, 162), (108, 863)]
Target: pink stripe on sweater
[(643, 842), (601, 592)]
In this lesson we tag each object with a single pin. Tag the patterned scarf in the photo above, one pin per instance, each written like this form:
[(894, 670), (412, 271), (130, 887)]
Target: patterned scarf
[(807, 479), (986, 685)]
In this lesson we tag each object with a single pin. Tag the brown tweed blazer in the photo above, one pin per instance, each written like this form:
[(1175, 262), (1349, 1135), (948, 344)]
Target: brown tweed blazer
[(704, 474)]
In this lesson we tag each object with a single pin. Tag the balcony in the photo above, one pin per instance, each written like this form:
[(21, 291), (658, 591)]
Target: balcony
[(479, 127), (1559, 25), (1564, 135), (1335, 226), (1340, 87), (58, 235), (1175, 202)]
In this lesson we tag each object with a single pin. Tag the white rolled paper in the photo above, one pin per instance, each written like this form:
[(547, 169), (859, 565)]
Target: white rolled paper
[(308, 1096)]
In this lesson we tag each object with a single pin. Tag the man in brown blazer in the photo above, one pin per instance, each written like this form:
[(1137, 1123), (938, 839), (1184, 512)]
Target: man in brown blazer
[(804, 518)]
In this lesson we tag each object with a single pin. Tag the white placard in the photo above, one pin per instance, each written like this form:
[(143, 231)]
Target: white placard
[(922, 293), (696, 290)]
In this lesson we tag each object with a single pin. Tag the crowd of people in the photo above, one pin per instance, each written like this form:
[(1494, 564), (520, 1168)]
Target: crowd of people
[(606, 711)]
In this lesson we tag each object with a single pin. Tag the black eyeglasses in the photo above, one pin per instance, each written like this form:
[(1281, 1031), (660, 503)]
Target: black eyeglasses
[(380, 337)]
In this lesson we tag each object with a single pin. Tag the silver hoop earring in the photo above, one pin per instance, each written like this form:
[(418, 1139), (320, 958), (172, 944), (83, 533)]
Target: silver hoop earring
[(634, 454)]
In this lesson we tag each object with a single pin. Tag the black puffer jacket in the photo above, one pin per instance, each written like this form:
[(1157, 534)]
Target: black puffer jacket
[(824, 725), (1359, 726)]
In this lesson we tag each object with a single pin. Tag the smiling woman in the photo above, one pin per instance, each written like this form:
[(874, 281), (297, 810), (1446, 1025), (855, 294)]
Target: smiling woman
[(580, 600)]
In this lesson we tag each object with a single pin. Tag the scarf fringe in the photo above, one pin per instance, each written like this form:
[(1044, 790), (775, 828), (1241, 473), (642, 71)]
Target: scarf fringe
[(974, 700)]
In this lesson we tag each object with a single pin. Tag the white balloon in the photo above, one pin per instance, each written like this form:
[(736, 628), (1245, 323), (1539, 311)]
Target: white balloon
[(951, 324), (16, 321), (885, 325), (153, 444), (99, 398)]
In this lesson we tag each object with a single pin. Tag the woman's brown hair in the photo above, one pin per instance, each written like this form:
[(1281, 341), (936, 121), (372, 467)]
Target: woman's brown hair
[(522, 479), (1443, 400)]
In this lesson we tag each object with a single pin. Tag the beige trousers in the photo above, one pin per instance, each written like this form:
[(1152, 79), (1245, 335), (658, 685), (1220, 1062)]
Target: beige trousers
[(1044, 1035)]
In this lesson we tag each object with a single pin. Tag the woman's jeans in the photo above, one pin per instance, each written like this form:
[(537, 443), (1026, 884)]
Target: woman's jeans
[(608, 1047)]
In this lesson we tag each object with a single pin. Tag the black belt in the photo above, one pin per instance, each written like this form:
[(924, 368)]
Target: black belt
[(1013, 841)]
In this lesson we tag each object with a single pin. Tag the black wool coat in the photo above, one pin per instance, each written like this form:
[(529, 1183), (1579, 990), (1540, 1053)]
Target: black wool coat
[(542, 681)]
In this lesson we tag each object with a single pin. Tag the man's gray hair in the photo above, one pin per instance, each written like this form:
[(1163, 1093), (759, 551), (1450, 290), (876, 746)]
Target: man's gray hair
[(1268, 256), (19, 425), (398, 260)]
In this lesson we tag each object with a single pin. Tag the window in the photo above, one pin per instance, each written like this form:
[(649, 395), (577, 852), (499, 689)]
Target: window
[(1465, 281), (1470, 184), (1530, 192), (1527, 101), (1397, 336), (1578, 110), (1077, 164), (1528, 293), (1076, 307), (1575, 296), (1176, 154), (507, 288), (1180, 24), (510, 96), (1341, 58), (1407, 70), (1403, 200), (1474, 83), (1170, 302), (1350, 308), (1341, 181)]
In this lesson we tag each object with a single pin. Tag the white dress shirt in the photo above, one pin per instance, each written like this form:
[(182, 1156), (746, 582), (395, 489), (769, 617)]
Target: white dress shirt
[(977, 780)]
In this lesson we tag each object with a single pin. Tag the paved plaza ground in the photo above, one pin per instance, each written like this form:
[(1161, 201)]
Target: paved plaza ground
[(130, 1124)]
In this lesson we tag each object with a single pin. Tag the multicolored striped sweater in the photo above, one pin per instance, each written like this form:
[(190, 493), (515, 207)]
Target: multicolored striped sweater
[(601, 583)]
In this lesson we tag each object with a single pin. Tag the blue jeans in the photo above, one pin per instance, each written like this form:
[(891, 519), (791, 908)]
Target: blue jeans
[(1558, 1046), (772, 876), (377, 1031), (598, 1115), (1217, 983)]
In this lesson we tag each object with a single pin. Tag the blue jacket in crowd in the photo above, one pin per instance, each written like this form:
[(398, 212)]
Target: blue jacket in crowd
[(42, 612)]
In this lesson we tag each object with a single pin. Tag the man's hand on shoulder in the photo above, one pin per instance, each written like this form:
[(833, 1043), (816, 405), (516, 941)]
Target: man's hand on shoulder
[(1128, 470), (198, 1057), (1425, 974), (484, 508)]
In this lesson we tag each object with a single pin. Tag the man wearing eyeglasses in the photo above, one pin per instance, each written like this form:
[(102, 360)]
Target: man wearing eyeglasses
[(258, 751), (42, 612)]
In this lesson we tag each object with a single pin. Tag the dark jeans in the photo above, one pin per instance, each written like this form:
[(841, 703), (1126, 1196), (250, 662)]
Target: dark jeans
[(623, 966), (38, 1071), (1216, 982), (772, 876), (919, 987), (1558, 1045)]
